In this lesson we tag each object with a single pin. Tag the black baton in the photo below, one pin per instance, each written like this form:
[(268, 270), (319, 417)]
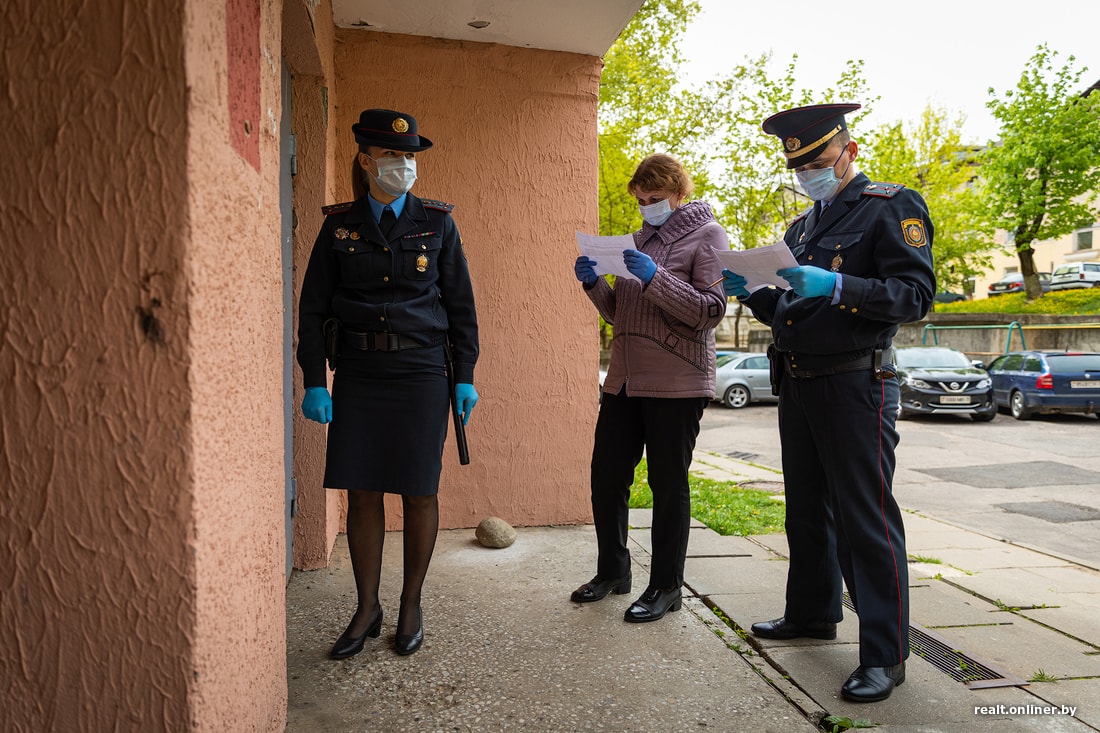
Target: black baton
[(460, 429)]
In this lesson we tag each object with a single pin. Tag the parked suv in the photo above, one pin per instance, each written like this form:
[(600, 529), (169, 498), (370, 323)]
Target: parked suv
[(1076, 275), (936, 380)]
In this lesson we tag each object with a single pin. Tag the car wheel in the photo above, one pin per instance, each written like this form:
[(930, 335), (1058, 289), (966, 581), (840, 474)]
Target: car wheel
[(1017, 407), (736, 397)]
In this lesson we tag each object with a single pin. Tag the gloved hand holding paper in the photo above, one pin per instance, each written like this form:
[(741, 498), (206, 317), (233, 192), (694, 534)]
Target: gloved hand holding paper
[(608, 253), (758, 265)]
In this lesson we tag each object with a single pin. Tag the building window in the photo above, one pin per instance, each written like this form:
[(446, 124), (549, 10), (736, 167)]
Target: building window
[(1084, 239)]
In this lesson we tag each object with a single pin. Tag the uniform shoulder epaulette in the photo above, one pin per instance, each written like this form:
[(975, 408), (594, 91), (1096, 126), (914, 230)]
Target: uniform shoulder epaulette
[(336, 208), (438, 205), (885, 190), (801, 216)]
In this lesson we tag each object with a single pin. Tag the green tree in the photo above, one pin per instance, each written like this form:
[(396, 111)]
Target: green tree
[(930, 158), (1040, 181)]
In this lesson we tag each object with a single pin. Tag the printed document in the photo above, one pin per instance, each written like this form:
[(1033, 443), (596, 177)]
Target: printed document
[(758, 265), (607, 252)]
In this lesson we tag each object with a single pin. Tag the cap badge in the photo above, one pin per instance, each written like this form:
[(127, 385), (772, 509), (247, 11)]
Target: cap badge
[(341, 233), (792, 144), (421, 264), (913, 232), (400, 125)]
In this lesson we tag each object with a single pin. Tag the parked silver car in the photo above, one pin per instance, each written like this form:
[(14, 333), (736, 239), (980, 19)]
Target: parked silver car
[(743, 378), (1075, 275)]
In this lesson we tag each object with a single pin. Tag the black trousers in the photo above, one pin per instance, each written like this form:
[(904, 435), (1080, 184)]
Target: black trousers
[(666, 430), (838, 436)]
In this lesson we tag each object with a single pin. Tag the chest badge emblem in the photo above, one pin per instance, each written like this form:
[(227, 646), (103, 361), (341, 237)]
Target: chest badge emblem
[(421, 263), (836, 263), (341, 233)]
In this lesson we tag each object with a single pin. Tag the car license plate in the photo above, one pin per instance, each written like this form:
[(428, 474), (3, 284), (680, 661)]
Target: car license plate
[(1083, 384), (954, 400)]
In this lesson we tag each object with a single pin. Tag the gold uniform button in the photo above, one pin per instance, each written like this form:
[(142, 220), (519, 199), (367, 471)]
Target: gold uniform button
[(842, 306), (838, 246), (385, 249), (810, 257), (854, 310), (790, 322), (423, 246), (381, 318), (386, 279), (351, 249)]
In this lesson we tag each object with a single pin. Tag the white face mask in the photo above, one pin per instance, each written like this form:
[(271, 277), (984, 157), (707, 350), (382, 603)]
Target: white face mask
[(395, 175), (656, 214)]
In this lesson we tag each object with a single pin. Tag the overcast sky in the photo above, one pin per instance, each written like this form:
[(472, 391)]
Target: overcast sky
[(947, 53)]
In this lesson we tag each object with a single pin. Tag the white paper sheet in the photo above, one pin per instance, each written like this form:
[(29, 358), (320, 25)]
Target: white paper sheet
[(758, 265), (607, 252)]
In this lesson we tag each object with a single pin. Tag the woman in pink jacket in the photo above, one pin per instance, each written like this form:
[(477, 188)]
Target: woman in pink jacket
[(660, 379)]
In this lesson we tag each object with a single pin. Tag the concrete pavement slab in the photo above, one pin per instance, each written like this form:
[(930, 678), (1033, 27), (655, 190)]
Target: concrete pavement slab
[(1023, 648), (1026, 587), (505, 650), (935, 605), (1078, 617), (1083, 695)]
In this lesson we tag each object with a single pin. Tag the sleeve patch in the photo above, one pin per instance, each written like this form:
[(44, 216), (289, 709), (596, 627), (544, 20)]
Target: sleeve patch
[(885, 190), (336, 208), (913, 232), (438, 205)]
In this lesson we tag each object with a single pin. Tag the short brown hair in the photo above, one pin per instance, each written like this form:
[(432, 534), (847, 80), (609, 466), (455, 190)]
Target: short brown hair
[(661, 172)]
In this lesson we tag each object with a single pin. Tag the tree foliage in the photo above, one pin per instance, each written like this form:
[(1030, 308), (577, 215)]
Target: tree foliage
[(930, 158), (1041, 179)]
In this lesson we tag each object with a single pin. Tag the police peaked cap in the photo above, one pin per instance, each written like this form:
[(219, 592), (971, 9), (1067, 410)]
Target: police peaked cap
[(805, 131), (385, 128)]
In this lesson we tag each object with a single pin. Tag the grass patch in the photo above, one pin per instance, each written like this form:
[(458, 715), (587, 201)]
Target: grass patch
[(1041, 676), (721, 505), (926, 560), (1083, 301)]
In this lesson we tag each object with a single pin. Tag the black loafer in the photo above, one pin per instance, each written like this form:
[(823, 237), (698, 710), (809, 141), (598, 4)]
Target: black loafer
[(653, 604), (348, 646), (781, 628), (597, 588), (871, 684), (405, 644)]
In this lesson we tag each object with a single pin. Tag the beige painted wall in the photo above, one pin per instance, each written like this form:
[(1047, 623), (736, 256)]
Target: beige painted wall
[(98, 608), (515, 151)]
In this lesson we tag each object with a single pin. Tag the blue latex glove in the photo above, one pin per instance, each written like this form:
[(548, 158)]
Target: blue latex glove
[(586, 270), (809, 282), (640, 265), (734, 285), (465, 398), (317, 406)]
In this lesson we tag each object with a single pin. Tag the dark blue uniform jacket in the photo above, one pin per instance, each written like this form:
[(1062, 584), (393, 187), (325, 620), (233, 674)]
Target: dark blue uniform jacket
[(879, 237), (414, 282)]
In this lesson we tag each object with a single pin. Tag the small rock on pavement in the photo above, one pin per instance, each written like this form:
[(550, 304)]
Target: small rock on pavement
[(495, 532)]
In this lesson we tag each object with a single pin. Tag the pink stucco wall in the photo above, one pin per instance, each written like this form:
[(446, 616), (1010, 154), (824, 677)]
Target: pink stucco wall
[(97, 558), (515, 151)]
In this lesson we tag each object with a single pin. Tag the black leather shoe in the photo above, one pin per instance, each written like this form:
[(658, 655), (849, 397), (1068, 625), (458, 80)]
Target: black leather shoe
[(871, 684), (348, 646), (781, 628), (405, 644), (652, 605), (597, 588)]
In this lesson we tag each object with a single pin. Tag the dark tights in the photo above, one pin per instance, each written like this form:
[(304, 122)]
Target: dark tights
[(367, 534)]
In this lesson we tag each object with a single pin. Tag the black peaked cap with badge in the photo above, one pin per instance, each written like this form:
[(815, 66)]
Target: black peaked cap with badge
[(385, 128), (805, 131)]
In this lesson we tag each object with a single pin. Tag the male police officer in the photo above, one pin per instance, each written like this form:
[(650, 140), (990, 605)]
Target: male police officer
[(865, 265)]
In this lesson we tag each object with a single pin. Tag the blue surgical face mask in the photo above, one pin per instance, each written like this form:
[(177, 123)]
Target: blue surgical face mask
[(656, 214), (821, 184)]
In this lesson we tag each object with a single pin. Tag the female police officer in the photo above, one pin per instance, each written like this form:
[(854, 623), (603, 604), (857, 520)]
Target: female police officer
[(388, 273)]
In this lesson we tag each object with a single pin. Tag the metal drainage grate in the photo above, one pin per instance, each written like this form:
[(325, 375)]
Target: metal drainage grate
[(741, 455), (975, 673)]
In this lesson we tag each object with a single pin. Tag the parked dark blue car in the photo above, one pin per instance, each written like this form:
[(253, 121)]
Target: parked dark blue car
[(1033, 382), (936, 380)]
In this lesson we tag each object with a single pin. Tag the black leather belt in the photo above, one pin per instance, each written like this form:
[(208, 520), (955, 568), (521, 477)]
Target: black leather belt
[(384, 341), (810, 366)]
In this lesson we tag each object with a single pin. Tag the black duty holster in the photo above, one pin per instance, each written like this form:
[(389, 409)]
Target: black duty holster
[(775, 368)]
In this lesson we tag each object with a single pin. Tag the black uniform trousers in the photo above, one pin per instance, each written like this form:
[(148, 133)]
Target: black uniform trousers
[(666, 428), (838, 437)]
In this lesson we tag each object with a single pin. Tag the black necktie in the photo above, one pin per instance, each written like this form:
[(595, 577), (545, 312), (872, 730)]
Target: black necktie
[(387, 221)]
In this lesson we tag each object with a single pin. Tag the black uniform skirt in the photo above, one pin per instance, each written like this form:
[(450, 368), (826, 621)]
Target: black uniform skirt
[(389, 421)]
